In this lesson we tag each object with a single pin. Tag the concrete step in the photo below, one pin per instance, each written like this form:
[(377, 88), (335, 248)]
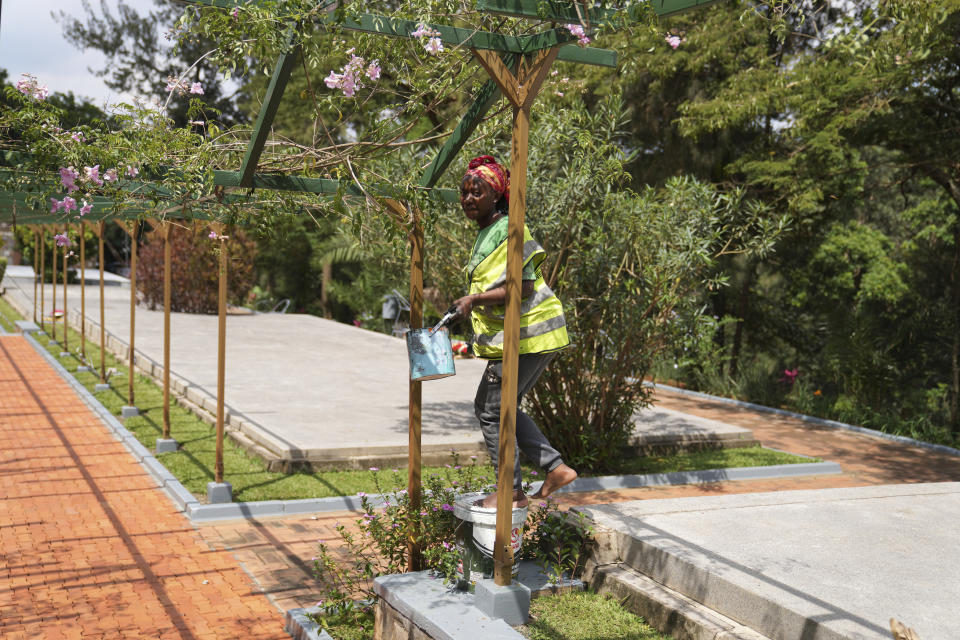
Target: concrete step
[(830, 564), (666, 610)]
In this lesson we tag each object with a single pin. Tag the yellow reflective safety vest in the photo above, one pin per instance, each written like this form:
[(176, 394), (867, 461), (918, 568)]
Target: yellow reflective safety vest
[(542, 325)]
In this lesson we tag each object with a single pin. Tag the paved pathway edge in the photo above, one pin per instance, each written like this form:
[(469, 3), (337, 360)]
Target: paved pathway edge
[(942, 448)]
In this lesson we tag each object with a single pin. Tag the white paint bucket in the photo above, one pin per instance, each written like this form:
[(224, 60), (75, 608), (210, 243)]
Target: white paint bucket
[(484, 520)]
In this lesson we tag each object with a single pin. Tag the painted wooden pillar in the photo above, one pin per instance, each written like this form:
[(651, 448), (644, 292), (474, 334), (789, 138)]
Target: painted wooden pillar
[(66, 313), (221, 351), (83, 296), (43, 299), (520, 89), (36, 268), (414, 479), (53, 307), (101, 231), (165, 229)]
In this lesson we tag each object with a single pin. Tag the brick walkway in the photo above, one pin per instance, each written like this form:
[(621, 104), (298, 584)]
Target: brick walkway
[(89, 547), (126, 564)]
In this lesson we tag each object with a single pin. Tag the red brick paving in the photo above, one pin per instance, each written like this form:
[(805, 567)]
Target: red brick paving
[(89, 546), (127, 563)]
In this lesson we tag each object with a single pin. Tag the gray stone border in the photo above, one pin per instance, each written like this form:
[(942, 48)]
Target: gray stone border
[(202, 513), (941, 448), (300, 627)]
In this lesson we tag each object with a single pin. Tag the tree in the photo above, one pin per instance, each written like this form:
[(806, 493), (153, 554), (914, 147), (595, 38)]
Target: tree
[(877, 88)]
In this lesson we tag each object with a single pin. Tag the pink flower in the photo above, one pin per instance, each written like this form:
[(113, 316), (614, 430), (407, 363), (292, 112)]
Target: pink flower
[(577, 30), (110, 175), (41, 93), (422, 30), (790, 375), (235, 13), (62, 240), (434, 46), (55, 205), (333, 80), (374, 468), (77, 136), (373, 71), (86, 208), (69, 204), (446, 507), (196, 88), (68, 176), (673, 41), (213, 235), (93, 175), (133, 172)]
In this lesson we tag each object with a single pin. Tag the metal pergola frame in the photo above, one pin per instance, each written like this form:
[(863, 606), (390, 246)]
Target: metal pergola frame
[(517, 67)]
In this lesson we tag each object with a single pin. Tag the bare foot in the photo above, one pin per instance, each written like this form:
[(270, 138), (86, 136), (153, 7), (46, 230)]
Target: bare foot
[(559, 477), (519, 500)]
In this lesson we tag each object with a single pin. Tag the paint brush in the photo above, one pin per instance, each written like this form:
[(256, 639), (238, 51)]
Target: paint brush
[(452, 314)]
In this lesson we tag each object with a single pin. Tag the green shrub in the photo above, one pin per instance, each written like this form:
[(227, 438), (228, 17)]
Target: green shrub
[(3, 267), (195, 270)]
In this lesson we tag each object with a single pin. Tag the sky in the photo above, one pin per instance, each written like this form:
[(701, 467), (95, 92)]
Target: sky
[(32, 42)]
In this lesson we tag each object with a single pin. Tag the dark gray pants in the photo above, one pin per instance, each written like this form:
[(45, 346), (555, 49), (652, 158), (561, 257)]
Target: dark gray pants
[(530, 440)]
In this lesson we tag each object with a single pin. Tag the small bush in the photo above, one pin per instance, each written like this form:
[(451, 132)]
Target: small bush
[(3, 267), (377, 545), (195, 270)]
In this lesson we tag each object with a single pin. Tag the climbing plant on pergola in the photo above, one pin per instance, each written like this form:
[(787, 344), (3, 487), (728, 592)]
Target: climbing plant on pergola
[(517, 66)]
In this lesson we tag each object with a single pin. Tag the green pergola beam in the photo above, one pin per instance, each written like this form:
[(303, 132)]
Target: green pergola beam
[(268, 111), (320, 186), (486, 97), (555, 10)]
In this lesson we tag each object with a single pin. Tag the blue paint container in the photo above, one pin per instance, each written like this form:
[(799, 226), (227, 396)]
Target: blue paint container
[(431, 355)]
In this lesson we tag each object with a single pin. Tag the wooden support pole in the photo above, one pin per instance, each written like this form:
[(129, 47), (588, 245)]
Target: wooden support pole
[(134, 228), (66, 314), (53, 307), (101, 231), (43, 298), (36, 267), (520, 89), (414, 480), (165, 232), (221, 352), (83, 296)]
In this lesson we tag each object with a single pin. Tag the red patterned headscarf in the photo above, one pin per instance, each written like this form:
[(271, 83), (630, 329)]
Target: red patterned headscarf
[(487, 169)]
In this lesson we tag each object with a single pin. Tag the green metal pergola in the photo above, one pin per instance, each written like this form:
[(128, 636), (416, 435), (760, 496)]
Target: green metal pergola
[(517, 67)]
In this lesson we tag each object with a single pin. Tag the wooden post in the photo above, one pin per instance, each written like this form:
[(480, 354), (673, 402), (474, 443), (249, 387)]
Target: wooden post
[(165, 232), (43, 298), (66, 313), (36, 267), (414, 480), (520, 90), (53, 308), (101, 230), (221, 352), (83, 297), (132, 228)]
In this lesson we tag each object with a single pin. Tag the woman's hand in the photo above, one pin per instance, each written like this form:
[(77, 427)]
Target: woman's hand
[(464, 306)]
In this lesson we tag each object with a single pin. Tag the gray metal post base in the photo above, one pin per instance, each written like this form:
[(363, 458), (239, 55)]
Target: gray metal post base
[(166, 445), (510, 603), (27, 326), (84, 369), (101, 386), (219, 492), (127, 411), (65, 354)]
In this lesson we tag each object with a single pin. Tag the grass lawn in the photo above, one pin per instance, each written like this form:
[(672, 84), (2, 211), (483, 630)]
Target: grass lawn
[(192, 464), (585, 616)]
